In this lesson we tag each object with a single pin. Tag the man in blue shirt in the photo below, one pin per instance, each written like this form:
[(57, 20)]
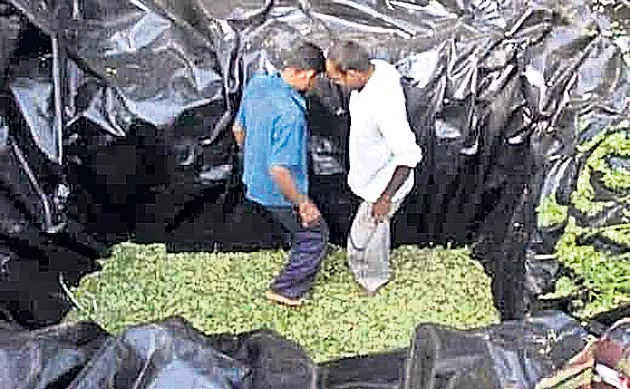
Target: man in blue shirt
[(271, 128)]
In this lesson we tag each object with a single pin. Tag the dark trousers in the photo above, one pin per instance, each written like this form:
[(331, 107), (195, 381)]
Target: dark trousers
[(308, 249)]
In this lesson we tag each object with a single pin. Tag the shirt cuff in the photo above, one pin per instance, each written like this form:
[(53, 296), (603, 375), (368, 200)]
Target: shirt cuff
[(410, 159)]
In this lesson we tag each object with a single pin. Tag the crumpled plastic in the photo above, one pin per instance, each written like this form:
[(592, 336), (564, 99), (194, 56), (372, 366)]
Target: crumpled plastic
[(47, 358), (171, 353), (497, 94), (161, 355), (514, 354)]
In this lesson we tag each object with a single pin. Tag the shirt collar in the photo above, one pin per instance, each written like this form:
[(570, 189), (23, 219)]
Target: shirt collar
[(295, 95), (374, 78)]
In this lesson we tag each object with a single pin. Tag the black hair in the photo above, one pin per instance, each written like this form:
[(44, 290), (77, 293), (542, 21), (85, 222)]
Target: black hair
[(305, 56), (348, 55)]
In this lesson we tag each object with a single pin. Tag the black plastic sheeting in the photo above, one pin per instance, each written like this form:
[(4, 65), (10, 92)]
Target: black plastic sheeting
[(164, 355), (116, 117), (49, 357), (171, 353), (512, 354), (382, 370), (274, 361)]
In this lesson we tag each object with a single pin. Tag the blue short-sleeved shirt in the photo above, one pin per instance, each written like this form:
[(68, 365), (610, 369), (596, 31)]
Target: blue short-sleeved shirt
[(273, 115)]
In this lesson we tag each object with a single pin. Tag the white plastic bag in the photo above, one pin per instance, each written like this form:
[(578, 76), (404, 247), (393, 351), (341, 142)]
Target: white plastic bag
[(369, 246)]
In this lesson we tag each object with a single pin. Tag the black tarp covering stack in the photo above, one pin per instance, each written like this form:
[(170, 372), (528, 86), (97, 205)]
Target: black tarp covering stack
[(115, 125), (523, 354), (173, 354)]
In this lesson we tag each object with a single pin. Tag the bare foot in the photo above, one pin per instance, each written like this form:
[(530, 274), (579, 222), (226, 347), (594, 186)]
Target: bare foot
[(282, 300)]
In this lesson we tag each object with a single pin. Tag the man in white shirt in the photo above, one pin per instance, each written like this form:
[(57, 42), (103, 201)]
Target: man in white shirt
[(383, 153)]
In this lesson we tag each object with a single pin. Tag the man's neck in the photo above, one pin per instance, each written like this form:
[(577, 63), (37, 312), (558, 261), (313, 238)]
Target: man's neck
[(286, 78), (370, 72)]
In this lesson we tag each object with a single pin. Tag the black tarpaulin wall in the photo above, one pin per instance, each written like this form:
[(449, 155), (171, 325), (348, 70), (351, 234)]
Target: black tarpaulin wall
[(141, 95)]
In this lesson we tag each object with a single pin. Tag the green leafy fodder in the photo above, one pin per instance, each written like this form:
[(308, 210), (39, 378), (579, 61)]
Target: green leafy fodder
[(223, 292), (550, 213), (606, 276)]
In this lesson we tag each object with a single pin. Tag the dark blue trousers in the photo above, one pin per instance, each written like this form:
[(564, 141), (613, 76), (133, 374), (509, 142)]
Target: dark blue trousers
[(308, 249)]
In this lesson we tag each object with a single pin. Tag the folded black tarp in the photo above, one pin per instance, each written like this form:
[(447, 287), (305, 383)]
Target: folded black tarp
[(48, 358), (514, 354), (116, 124), (171, 353)]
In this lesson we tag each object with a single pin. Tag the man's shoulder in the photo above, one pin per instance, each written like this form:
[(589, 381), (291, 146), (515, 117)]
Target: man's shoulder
[(383, 63), (287, 104), (271, 100), (386, 76), (385, 68), (260, 81), (388, 81), (265, 90)]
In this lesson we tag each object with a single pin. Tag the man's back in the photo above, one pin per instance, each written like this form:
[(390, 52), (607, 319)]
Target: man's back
[(273, 116), (380, 136), (271, 130)]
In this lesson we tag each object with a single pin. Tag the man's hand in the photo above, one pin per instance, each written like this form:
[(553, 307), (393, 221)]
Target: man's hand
[(239, 135), (309, 214), (381, 208)]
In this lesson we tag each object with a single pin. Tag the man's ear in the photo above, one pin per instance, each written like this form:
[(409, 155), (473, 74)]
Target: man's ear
[(308, 73)]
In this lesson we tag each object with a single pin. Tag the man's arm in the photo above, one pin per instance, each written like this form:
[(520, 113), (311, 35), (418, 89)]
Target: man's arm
[(238, 127), (286, 151), (308, 211), (398, 178), (382, 205), (284, 154), (396, 131), (282, 176)]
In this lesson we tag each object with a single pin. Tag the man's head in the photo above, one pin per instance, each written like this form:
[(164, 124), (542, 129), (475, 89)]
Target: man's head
[(348, 64), (301, 65)]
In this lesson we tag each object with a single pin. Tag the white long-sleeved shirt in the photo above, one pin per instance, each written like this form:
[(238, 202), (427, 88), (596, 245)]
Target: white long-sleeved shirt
[(380, 136)]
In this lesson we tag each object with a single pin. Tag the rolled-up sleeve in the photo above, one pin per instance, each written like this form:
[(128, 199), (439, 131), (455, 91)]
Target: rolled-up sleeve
[(391, 117)]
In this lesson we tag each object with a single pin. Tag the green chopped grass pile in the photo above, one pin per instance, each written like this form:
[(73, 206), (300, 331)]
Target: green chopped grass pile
[(223, 292)]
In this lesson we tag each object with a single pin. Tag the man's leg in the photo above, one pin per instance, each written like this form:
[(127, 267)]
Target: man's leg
[(369, 246), (308, 249)]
